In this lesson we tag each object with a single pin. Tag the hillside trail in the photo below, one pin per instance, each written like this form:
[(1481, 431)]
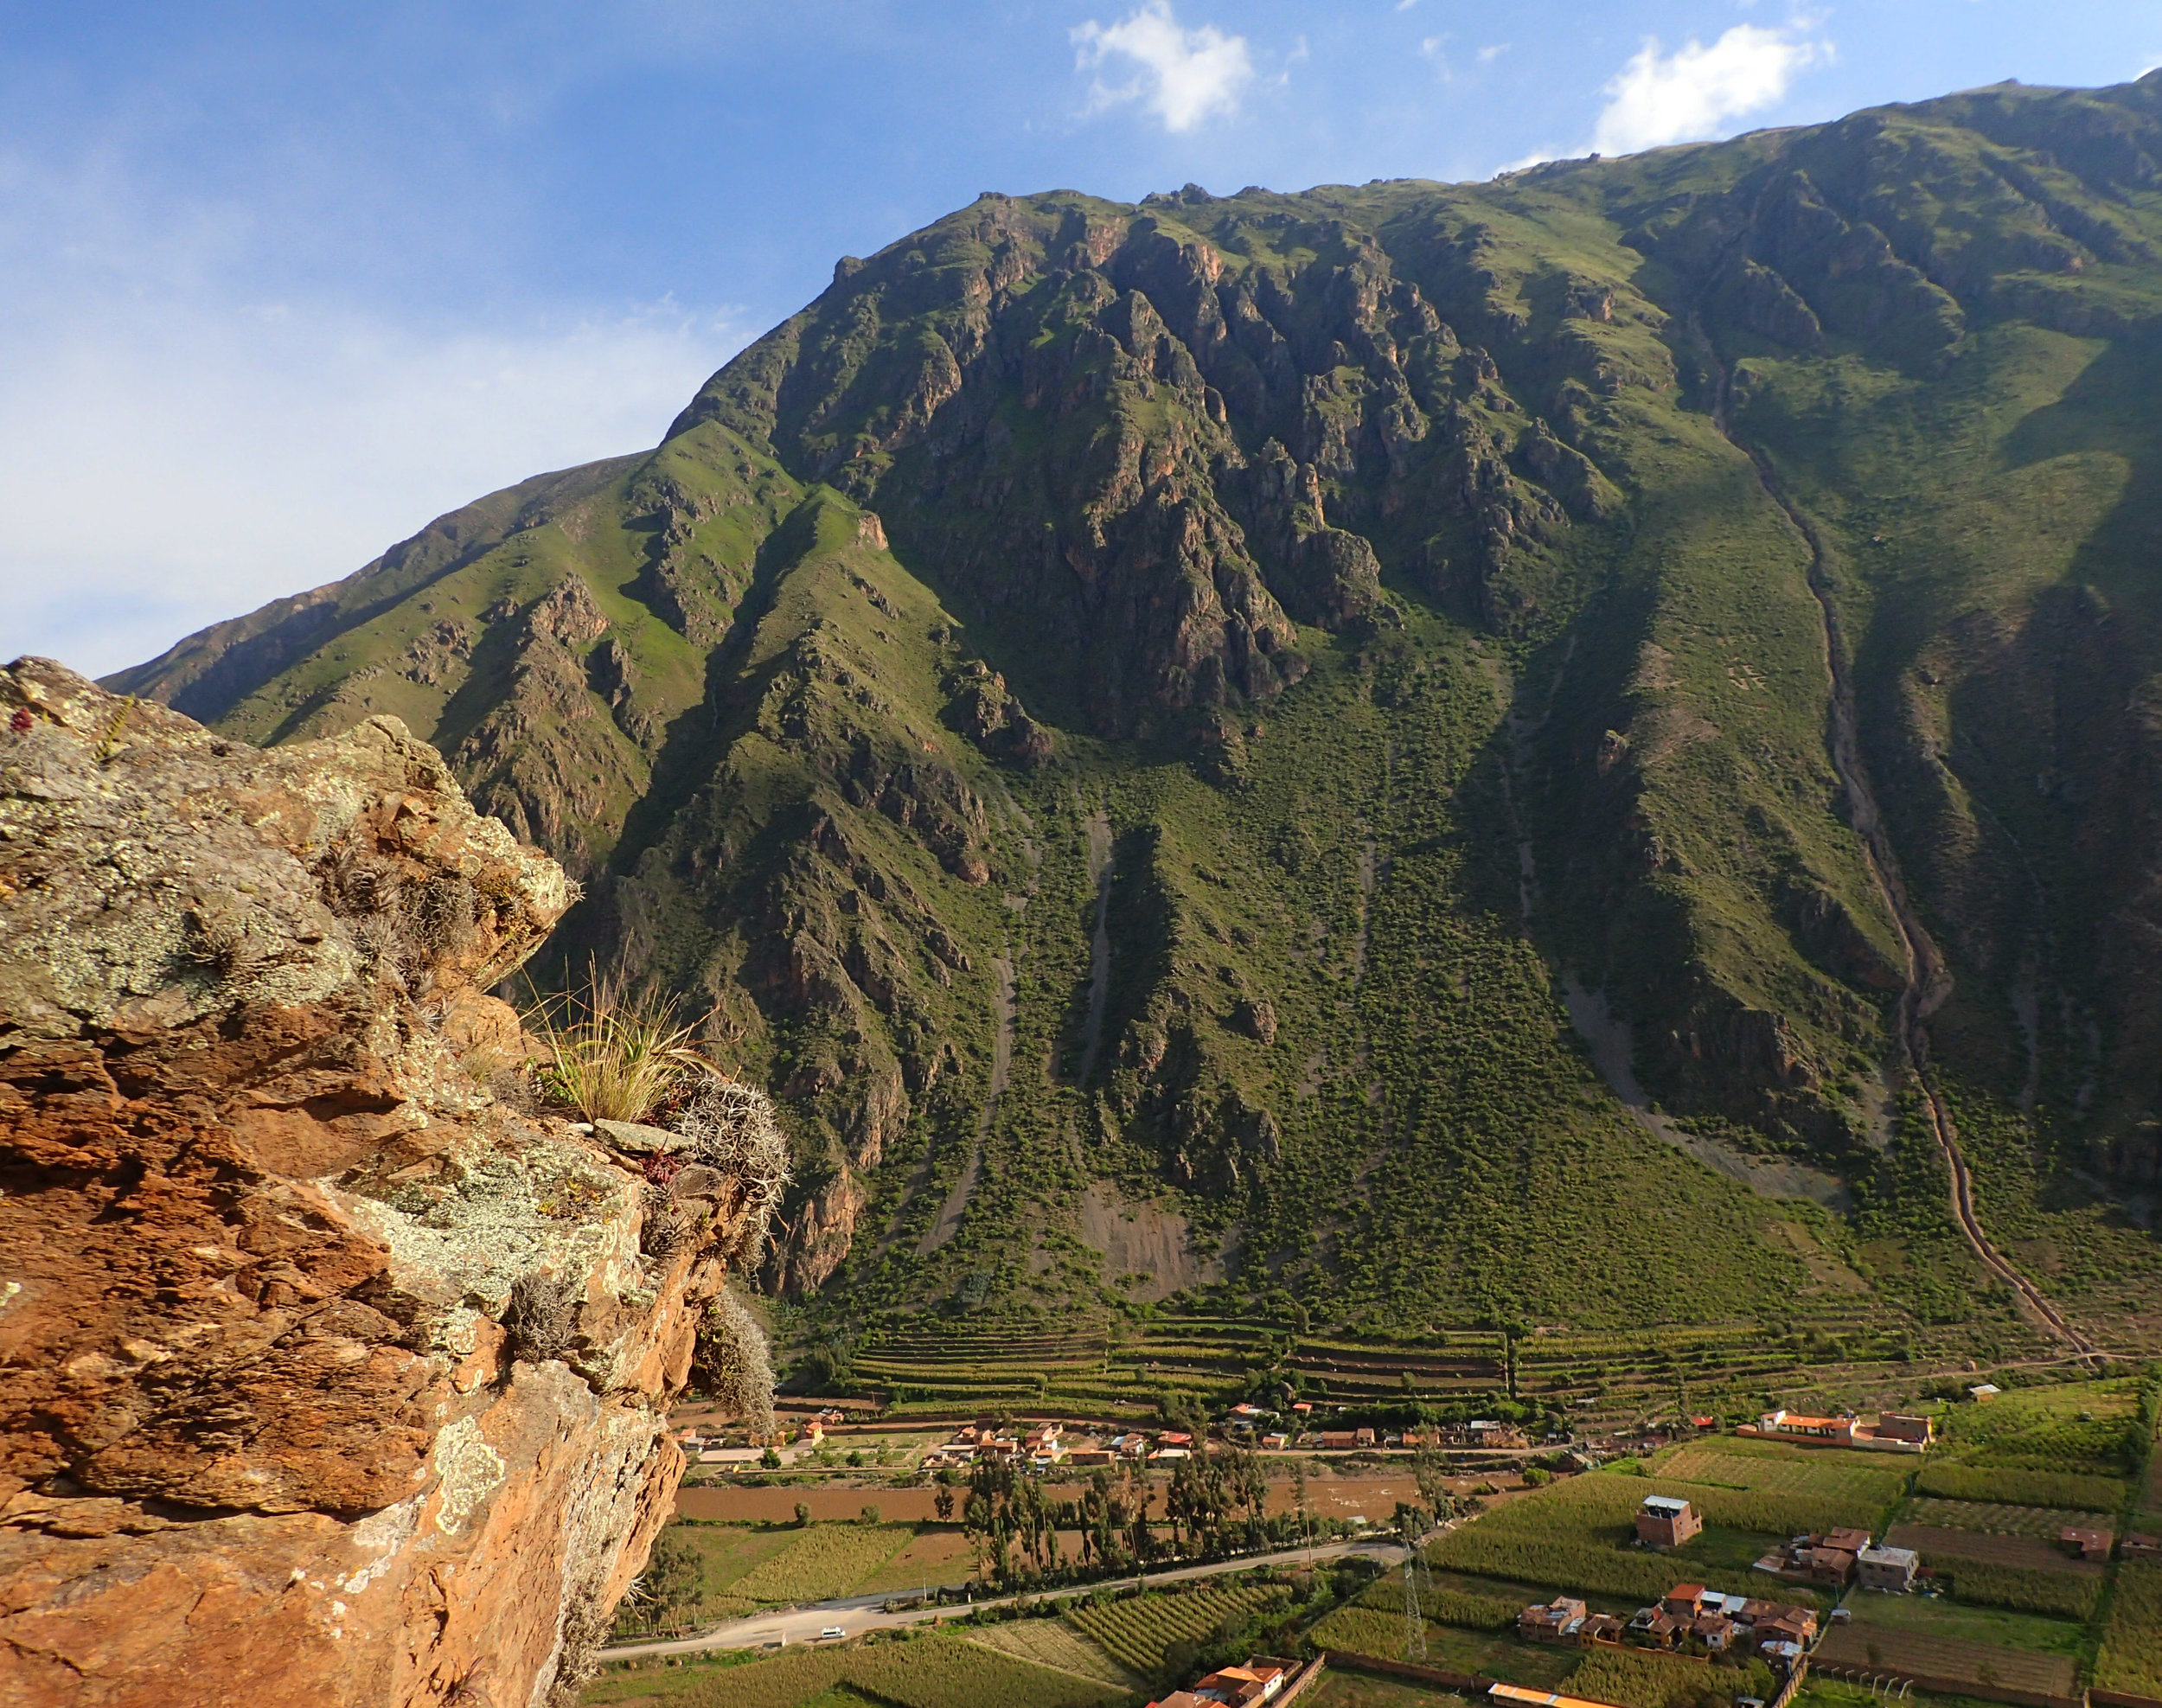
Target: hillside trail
[(1097, 826), (1927, 982), (957, 1204)]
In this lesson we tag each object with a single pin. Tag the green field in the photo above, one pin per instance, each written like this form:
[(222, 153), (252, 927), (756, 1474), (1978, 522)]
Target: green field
[(1340, 1689), (1473, 1611), (1366, 1630), (1137, 1632), (1636, 1679), (1955, 1621), (2002, 1519), (1055, 1643), (1827, 1475), (1996, 1484), (2131, 1655), (1575, 1535), (940, 1671)]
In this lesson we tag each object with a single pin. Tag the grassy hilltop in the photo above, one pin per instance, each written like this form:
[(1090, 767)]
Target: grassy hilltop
[(1421, 756)]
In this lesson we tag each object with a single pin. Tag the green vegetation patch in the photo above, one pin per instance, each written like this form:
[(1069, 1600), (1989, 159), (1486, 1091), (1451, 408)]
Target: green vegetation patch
[(1138, 1632), (938, 1671), (1443, 1605), (825, 1562), (1635, 1679), (2130, 1658), (1575, 1535), (1367, 1630), (1998, 1486), (1998, 1519), (1834, 1476), (2026, 1588)]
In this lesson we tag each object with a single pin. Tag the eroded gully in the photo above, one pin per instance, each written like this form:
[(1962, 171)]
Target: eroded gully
[(1926, 983)]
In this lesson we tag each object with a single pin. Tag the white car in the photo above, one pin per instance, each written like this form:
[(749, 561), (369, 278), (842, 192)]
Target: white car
[(831, 1632)]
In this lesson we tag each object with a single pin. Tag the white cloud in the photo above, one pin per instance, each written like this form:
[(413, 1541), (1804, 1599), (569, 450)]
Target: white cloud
[(166, 464), (1186, 76), (1488, 55), (1689, 93)]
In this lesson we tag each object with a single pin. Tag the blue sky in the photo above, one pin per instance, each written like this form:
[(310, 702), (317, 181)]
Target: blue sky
[(279, 283)]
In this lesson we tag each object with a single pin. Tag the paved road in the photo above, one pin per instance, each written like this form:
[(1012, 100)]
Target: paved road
[(857, 1613)]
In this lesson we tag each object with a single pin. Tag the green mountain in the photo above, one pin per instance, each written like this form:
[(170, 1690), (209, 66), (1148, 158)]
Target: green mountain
[(1418, 756)]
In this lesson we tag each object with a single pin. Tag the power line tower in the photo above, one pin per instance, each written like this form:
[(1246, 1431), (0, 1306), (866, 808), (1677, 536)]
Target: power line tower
[(1414, 1621)]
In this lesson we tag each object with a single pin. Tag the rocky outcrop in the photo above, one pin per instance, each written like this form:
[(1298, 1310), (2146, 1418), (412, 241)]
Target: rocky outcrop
[(333, 1374)]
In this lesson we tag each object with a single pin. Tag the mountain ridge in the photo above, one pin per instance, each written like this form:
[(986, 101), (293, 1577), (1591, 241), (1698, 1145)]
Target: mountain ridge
[(1382, 608)]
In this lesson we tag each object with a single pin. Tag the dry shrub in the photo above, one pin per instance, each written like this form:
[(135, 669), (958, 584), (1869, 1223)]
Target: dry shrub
[(730, 1128), (738, 1371), (614, 1054), (541, 1317)]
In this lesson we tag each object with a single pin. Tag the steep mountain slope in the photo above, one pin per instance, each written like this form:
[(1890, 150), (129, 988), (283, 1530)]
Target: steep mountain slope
[(1149, 724)]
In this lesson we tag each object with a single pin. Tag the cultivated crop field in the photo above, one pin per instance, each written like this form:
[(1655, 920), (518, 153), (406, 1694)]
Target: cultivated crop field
[(1443, 1604), (2031, 1553), (1137, 1633), (1953, 1660), (1052, 1642), (2131, 1656), (1575, 1535), (2002, 1520), (1827, 1475), (931, 1672), (825, 1561), (1366, 1630), (1988, 1484), (1640, 1679)]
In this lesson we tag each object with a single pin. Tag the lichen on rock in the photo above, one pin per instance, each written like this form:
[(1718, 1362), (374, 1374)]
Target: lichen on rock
[(330, 1377)]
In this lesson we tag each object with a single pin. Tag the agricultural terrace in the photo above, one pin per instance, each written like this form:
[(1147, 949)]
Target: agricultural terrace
[(1139, 1632), (1119, 1370)]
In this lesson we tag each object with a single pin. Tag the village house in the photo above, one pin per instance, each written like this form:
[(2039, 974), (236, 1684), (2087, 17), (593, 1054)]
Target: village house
[(1891, 1569), (2138, 1545), (1559, 1621), (1600, 1627), (1827, 1559), (1920, 1430), (1487, 1432), (2088, 1544), (1665, 1522), (1363, 1437), (1982, 1392), (1256, 1682), (1086, 1457), (1794, 1425), (1277, 1443), (1338, 1440)]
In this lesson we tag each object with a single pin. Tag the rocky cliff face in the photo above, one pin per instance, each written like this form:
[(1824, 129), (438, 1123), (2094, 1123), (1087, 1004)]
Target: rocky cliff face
[(332, 1373)]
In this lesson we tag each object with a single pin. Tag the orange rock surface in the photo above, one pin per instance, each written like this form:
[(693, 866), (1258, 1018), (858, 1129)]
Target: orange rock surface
[(274, 1431)]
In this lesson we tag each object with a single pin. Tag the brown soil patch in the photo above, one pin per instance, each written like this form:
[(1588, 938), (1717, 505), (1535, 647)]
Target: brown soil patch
[(2031, 1552), (1947, 1659), (1372, 1497)]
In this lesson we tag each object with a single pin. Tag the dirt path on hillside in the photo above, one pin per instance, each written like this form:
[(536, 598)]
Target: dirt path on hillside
[(1097, 825), (1926, 983), (957, 1202)]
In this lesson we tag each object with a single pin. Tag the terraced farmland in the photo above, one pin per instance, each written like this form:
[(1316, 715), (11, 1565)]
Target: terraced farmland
[(1137, 1632), (1118, 1370)]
